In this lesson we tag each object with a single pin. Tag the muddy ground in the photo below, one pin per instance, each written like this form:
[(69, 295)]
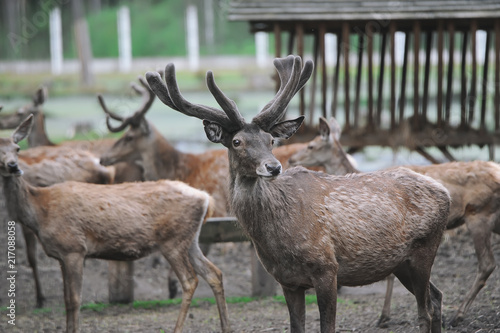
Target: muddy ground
[(358, 308)]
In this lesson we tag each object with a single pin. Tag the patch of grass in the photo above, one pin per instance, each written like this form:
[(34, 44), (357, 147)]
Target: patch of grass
[(96, 307)]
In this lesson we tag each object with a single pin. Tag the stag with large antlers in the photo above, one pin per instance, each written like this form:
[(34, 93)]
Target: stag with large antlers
[(312, 230), (474, 188), (74, 221)]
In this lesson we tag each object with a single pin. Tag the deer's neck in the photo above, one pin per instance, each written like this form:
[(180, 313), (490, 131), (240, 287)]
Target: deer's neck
[(20, 199), (340, 165), (38, 135)]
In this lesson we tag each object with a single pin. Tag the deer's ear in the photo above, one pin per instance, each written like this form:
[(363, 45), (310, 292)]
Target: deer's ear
[(39, 97), (324, 129), (287, 128), (214, 131), (23, 129)]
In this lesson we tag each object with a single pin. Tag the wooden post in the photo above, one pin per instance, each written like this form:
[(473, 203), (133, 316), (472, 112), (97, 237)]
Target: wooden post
[(192, 37), (402, 96), (428, 47), (263, 284), (473, 84), (380, 92), (484, 96), (121, 281), (124, 40), (497, 74), (463, 85), (56, 46)]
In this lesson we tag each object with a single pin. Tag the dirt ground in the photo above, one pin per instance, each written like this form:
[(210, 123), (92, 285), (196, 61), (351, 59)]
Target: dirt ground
[(357, 311)]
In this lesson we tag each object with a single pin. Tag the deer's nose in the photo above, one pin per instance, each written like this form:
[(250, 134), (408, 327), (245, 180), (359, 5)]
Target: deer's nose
[(273, 169)]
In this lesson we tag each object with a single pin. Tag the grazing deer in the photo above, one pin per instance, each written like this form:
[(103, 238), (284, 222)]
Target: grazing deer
[(475, 197), (74, 221), (310, 229)]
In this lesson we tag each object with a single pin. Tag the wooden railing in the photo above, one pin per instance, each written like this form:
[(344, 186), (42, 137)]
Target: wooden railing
[(215, 230)]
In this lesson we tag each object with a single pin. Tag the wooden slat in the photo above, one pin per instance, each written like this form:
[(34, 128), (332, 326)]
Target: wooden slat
[(380, 92), (473, 84), (312, 80), (416, 69), (335, 85), (392, 34), (497, 75), (369, 50), (322, 33), (428, 46), (463, 84), (402, 95), (439, 97), (451, 63), (299, 31), (358, 79), (346, 46), (484, 96), (220, 230)]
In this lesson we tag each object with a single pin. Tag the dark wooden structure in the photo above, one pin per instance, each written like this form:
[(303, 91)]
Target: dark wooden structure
[(445, 91)]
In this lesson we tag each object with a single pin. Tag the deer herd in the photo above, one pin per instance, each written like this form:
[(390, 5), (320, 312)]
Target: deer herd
[(125, 199)]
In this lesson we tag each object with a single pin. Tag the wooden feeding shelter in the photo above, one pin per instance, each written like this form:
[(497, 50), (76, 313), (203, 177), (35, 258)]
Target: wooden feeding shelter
[(404, 73)]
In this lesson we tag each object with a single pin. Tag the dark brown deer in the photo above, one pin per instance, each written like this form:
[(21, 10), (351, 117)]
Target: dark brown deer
[(143, 144), (475, 200), (310, 229), (74, 221)]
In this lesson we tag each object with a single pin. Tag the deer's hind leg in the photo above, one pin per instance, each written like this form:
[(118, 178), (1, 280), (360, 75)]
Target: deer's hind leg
[(213, 275), (179, 261), (414, 274)]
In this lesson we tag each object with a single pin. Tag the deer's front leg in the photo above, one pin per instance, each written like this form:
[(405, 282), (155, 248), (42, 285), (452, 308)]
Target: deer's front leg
[(72, 270), (296, 303), (326, 292)]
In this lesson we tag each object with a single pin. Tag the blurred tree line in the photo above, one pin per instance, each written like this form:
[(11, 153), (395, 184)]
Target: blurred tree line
[(158, 28)]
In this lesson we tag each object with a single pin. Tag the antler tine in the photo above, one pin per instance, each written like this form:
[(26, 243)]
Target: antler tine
[(227, 104), (293, 77), (170, 95), (108, 112), (148, 97), (120, 127)]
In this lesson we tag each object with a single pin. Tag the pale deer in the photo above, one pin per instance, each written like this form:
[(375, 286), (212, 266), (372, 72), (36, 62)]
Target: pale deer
[(310, 229), (475, 200), (74, 221), (48, 165)]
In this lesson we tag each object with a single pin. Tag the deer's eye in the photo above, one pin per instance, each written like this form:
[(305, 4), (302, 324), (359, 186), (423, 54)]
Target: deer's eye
[(310, 147), (18, 149), (236, 143), (129, 138), (272, 142)]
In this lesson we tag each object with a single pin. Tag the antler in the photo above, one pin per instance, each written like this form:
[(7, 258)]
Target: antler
[(135, 119), (292, 77), (168, 92)]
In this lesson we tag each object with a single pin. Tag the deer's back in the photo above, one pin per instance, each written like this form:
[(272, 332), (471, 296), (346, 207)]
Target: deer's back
[(126, 220), (474, 187)]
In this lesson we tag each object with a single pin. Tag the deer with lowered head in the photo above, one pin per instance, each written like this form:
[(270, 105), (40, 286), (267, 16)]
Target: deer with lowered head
[(313, 230), (74, 221), (474, 188)]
